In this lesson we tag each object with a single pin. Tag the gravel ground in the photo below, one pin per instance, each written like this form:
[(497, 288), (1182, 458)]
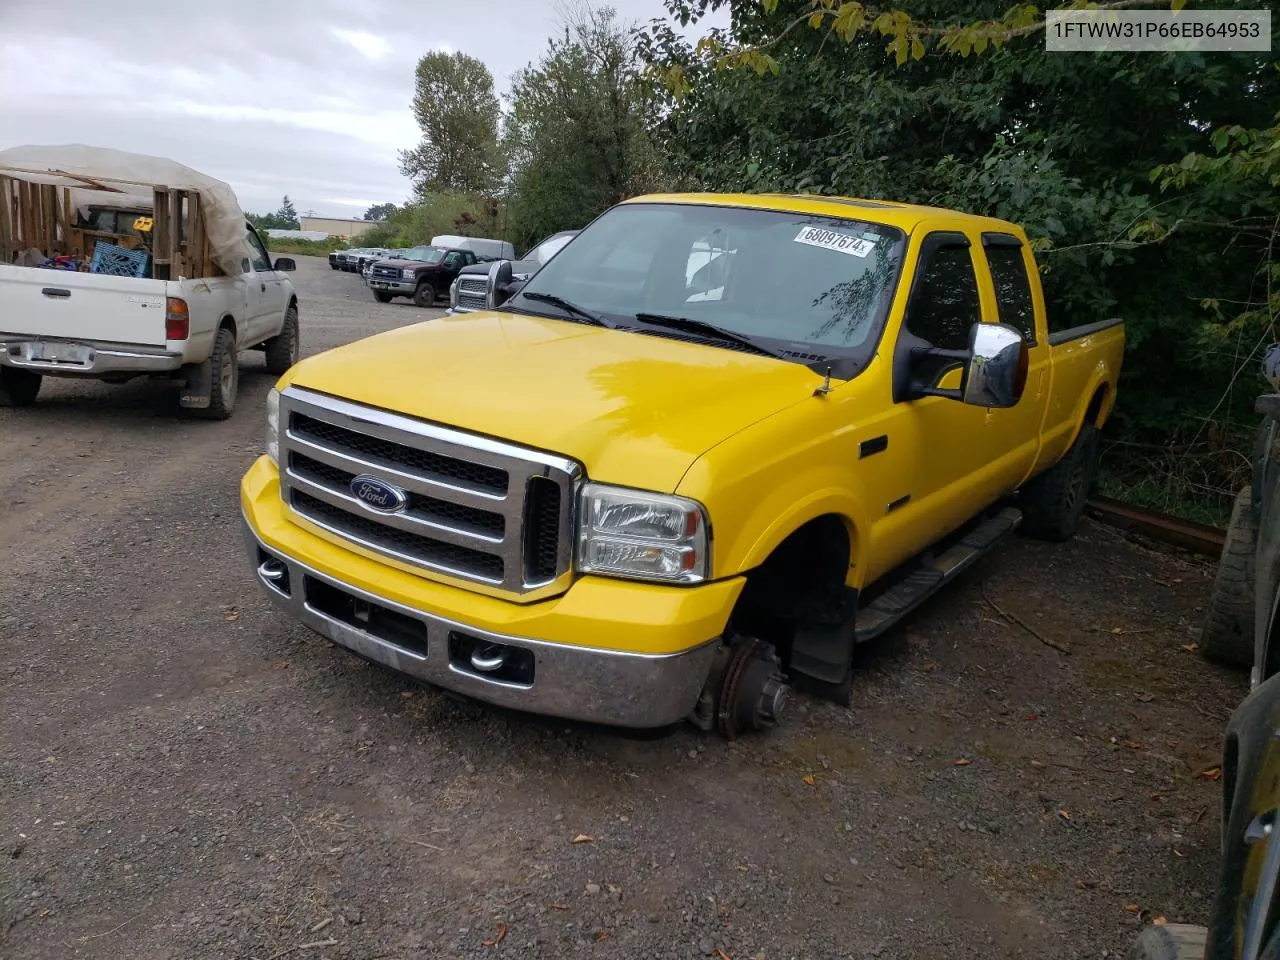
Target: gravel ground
[(185, 772)]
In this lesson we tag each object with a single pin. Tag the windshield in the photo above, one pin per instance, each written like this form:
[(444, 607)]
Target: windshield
[(548, 248), (424, 254), (814, 287)]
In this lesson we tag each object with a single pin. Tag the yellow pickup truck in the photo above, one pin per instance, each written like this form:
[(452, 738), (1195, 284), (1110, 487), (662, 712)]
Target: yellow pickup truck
[(708, 448)]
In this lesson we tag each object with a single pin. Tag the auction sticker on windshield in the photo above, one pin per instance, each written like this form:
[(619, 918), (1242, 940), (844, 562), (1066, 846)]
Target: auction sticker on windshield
[(831, 240)]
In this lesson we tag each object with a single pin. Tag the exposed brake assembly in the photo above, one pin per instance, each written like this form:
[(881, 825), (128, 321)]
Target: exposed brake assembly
[(745, 691)]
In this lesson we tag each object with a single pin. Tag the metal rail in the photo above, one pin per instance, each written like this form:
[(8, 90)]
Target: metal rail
[(1187, 534)]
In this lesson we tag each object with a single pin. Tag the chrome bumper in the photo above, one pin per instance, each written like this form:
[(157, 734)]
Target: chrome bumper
[(103, 358), (579, 683), (406, 287)]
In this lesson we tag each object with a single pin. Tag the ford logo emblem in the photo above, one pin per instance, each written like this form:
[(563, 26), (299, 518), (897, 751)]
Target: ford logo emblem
[(378, 495)]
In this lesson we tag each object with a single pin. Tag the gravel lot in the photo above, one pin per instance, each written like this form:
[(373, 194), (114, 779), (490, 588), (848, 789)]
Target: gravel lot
[(186, 773)]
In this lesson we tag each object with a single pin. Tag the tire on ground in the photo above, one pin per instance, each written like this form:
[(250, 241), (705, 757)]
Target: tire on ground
[(1053, 502), (222, 395), (382, 296), (1228, 621), (282, 349), (425, 295), (18, 388), (1170, 941)]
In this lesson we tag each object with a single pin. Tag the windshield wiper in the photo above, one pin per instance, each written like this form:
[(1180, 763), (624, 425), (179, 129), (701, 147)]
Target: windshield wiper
[(709, 329), (568, 307)]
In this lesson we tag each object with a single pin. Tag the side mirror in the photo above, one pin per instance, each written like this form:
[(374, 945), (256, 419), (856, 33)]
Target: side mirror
[(996, 371), (286, 264), (498, 290)]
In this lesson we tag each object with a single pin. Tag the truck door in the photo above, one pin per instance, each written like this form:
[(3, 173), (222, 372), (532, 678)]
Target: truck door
[(1013, 435), (953, 478), (267, 293)]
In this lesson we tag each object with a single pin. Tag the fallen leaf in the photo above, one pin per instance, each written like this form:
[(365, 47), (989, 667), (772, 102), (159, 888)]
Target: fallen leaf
[(45, 912), (583, 838), (502, 934), (810, 780), (962, 762), (282, 665), (1037, 763), (1159, 921), (1064, 815), (231, 615), (476, 909), (1213, 773), (1033, 716), (1130, 908), (1117, 630), (1144, 697), (1179, 854), (1191, 647), (600, 935), (722, 955), (406, 693), (1154, 797), (556, 906), (1135, 745)]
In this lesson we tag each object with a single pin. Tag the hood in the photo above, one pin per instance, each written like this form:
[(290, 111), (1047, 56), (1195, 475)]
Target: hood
[(403, 264), (633, 409)]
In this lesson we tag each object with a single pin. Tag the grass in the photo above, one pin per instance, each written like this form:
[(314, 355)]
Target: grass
[(310, 248)]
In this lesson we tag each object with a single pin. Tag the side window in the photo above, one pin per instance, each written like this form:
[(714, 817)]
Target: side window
[(1013, 287), (261, 262), (944, 300), (468, 258), (453, 260)]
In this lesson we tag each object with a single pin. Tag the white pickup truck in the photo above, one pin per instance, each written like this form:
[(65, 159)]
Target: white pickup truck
[(209, 293)]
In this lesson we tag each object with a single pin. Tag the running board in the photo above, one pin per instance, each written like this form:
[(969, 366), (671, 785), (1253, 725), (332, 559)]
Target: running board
[(822, 649), (933, 574)]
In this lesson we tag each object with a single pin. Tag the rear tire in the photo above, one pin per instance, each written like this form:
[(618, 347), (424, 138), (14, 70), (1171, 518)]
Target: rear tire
[(425, 295), (1170, 941), (1054, 501), (382, 296), (282, 349), (18, 388), (225, 377), (1228, 622)]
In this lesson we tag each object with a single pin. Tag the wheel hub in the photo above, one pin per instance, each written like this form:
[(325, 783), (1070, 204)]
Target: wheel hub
[(753, 692)]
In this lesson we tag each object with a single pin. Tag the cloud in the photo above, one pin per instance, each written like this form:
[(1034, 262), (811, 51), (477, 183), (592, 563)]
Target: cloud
[(370, 46), (305, 97)]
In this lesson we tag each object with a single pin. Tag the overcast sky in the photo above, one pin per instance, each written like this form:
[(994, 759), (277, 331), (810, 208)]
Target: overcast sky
[(305, 97)]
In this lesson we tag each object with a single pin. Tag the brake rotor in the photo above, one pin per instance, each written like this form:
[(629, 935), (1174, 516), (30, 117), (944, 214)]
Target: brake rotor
[(751, 693)]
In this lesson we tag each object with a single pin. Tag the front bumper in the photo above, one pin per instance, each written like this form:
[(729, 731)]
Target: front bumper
[(607, 651), (405, 287), (84, 358)]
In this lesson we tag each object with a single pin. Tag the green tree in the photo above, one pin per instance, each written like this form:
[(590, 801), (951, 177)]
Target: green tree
[(380, 211), (287, 215), (456, 109), (576, 132)]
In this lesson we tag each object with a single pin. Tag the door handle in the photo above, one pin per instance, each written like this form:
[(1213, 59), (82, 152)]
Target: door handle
[(57, 292), (264, 288)]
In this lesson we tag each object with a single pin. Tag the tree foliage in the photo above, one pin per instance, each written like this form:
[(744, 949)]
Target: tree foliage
[(576, 134), (380, 211), (456, 109), (286, 218), (1063, 144)]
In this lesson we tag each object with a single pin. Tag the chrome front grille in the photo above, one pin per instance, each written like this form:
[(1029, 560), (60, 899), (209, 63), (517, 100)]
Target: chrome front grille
[(385, 273), (472, 292), (475, 510)]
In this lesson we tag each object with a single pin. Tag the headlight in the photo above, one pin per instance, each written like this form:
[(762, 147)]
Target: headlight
[(645, 536), (407, 274), (273, 426)]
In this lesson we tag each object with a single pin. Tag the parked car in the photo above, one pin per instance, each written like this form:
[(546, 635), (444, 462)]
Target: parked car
[(336, 257), (467, 293), (156, 301), (421, 273), (858, 398)]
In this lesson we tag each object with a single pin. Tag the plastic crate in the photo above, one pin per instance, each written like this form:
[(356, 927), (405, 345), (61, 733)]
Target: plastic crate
[(118, 261)]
